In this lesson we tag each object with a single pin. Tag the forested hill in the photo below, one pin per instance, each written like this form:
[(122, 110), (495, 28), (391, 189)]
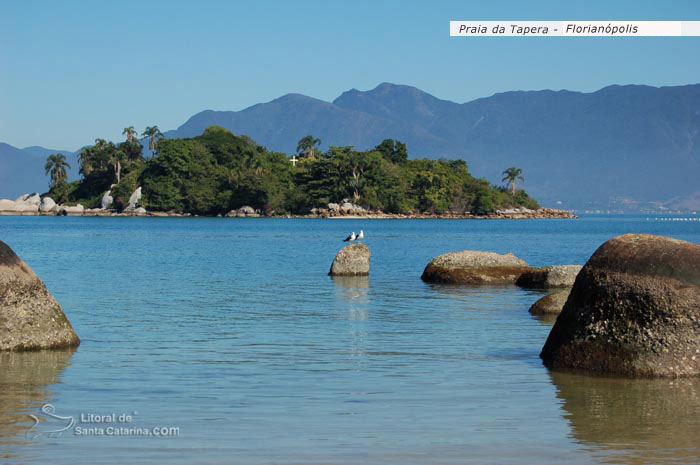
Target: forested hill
[(583, 149), (218, 171)]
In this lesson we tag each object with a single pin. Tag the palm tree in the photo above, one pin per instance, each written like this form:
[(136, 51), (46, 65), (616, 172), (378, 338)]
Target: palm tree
[(130, 133), (511, 175), (307, 145), (56, 166), (153, 134)]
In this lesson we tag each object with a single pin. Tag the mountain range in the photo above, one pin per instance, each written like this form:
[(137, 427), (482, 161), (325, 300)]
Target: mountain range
[(22, 170), (622, 147)]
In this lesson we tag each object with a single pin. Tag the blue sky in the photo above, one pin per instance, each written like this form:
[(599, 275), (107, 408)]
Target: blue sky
[(72, 71)]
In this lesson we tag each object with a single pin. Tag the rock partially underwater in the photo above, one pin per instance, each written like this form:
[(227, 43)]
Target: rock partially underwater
[(30, 318), (634, 311)]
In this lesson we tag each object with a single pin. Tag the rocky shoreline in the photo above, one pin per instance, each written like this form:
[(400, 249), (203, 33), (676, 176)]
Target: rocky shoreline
[(34, 205)]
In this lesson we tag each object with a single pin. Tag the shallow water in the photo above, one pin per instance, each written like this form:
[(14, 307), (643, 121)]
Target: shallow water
[(232, 332)]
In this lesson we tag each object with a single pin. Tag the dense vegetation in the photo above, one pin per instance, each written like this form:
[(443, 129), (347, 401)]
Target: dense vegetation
[(218, 171)]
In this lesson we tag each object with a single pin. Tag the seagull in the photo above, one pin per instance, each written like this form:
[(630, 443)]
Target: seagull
[(360, 236), (350, 238)]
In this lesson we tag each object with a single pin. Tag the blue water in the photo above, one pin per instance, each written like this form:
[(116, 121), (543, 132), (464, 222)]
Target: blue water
[(231, 332)]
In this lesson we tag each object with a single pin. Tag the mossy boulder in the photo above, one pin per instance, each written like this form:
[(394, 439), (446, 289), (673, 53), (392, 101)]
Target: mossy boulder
[(634, 311), (551, 304), (30, 318), (474, 267), (548, 277), (352, 260)]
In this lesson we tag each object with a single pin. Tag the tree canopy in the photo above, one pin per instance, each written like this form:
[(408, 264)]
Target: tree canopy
[(55, 168), (511, 175), (218, 171)]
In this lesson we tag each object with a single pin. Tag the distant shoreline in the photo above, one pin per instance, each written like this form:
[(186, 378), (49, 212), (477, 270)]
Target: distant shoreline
[(524, 214)]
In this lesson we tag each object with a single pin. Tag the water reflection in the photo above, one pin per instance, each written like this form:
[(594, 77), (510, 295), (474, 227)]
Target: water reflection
[(24, 378), (353, 292), (643, 421), (546, 318), (486, 297), (473, 289)]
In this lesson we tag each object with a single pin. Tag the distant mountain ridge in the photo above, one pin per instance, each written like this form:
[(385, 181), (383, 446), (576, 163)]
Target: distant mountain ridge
[(621, 146), (586, 150), (22, 170)]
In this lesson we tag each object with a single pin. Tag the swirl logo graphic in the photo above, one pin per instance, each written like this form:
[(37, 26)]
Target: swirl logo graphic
[(57, 423)]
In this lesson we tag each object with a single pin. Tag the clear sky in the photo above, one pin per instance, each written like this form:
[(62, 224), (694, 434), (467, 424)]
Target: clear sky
[(71, 71)]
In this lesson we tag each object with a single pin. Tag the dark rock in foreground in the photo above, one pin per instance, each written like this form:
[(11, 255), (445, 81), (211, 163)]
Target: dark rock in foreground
[(549, 276), (634, 311), (352, 260), (30, 318), (551, 304), (473, 267)]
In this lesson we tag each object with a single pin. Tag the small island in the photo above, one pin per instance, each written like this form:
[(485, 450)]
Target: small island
[(222, 174)]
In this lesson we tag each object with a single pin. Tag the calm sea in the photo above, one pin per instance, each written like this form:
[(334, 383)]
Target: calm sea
[(217, 341)]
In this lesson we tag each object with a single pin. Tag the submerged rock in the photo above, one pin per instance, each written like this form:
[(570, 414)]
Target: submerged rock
[(549, 276), (473, 267), (551, 304), (352, 260), (30, 318), (634, 310)]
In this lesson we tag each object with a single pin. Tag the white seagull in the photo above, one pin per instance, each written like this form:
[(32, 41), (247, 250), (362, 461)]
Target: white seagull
[(360, 236), (350, 238)]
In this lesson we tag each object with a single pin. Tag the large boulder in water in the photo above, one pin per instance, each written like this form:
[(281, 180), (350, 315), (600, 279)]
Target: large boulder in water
[(473, 267), (352, 260), (551, 304), (634, 310), (549, 276), (30, 318)]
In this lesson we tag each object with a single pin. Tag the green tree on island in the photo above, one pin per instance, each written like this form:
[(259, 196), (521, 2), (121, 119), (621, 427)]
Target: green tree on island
[(130, 132), (55, 167), (393, 150), (511, 175), (105, 161), (307, 146), (94, 158), (154, 135)]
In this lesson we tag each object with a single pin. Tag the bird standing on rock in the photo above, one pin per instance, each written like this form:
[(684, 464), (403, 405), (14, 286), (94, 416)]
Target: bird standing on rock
[(360, 236), (350, 238)]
